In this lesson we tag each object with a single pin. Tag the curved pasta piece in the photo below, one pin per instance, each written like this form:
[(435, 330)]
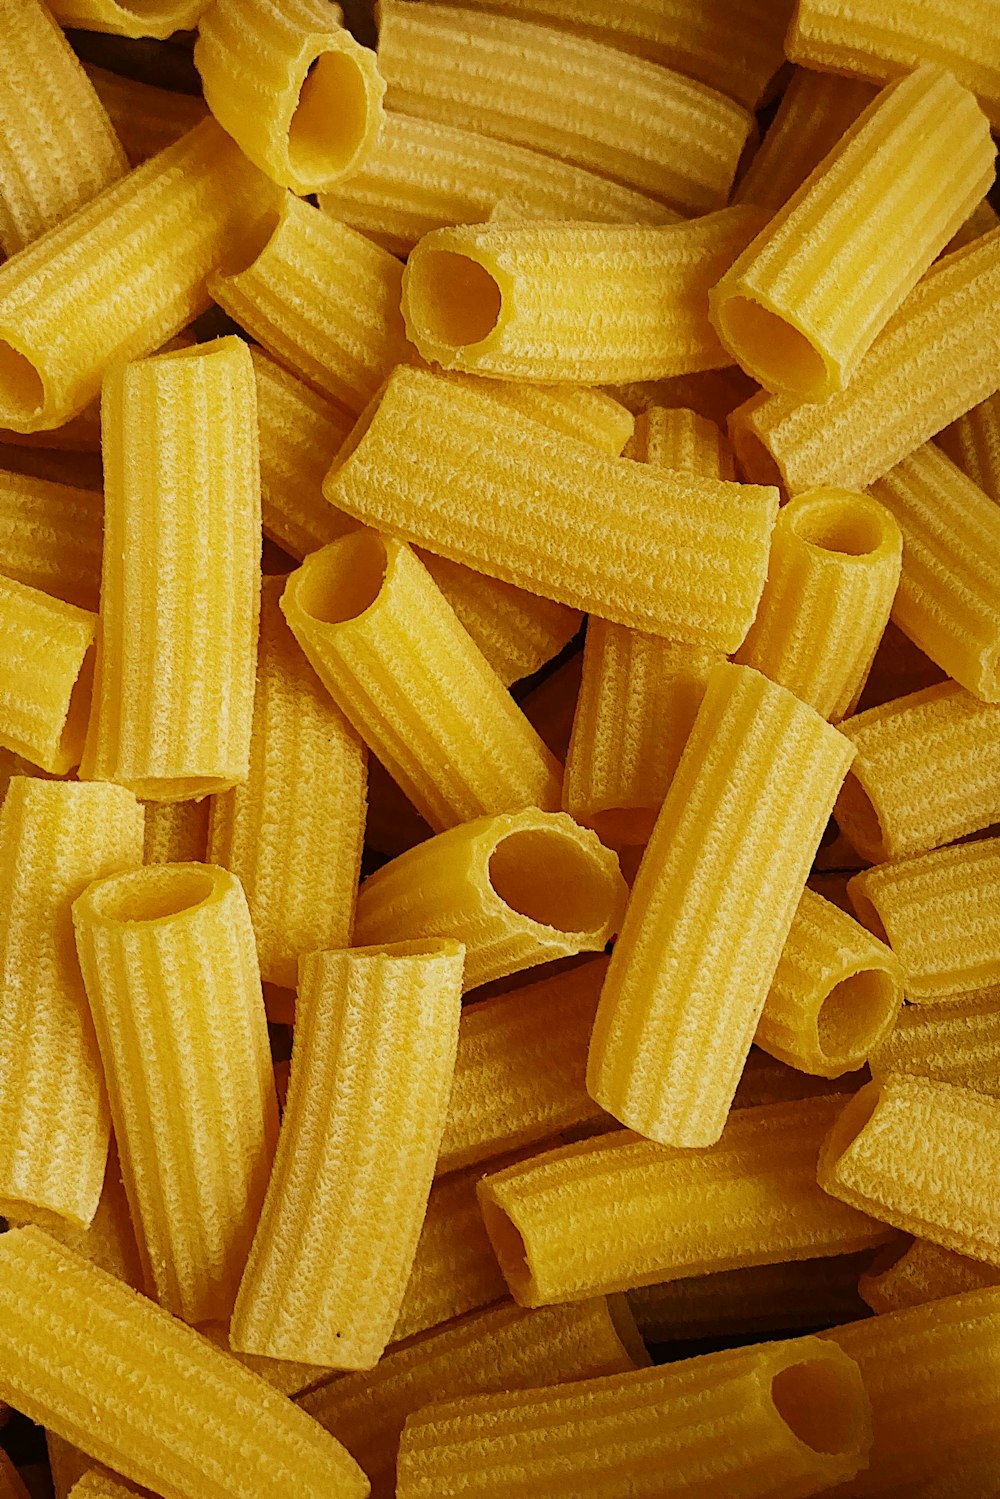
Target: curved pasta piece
[(46, 676), (454, 1269)]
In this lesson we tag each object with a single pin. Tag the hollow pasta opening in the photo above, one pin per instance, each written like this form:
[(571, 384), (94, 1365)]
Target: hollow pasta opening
[(819, 1405), (755, 461), (246, 248), (453, 299), (855, 1014), (22, 394), (839, 522), (627, 1330), (344, 579), (542, 874), (859, 821), (867, 913), (151, 894), (508, 1246), (330, 120), (776, 353), (851, 1120), (78, 711)]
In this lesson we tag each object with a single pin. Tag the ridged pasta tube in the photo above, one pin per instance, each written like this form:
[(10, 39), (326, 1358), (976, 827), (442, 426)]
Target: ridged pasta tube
[(292, 87), (711, 907), (293, 832), (58, 148), (816, 110), (677, 437), (517, 889), (122, 275), (454, 1270), (592, 304), (921, 1154), (176, 832), (108, 1241), (923, 1272), (395, 659), (973, 442), (281, 1374), (618, 115), (97, 1484), (780, 1419), (167, 954), (55, 838), (50, 538), (437, 464), (955, 1042), (750, 1199), (375, 1038), (180, 592), (831, 580), (46, 675), (146, 119), (134, 18), (151, 1399)]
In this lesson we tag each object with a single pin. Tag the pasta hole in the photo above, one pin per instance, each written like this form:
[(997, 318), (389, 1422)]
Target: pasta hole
[(755, 461), (867, 914), (78, 712), (344, 579), (453, 299), (547, 877), (508, 1246), (859, 821), (855, 1014), (851, 1120), (330, 120), (819, 1405), (776, 353), (844, 523), (153, 893), (22, 394)]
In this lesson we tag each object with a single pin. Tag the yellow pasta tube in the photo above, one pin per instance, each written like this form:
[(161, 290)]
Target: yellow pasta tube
[(711, 908), (293, 832), (135, 18), (167, 954), (50, 537), (782, 1418), (176, 832), (922, 1272), (973, 442), (397, 662), (281, 1374), (955, 1042), (506, 1348), (173, 693), (931, 349), (375, 1038), (46, 674), (454, 1269), (618, 115), (677, 437), (11, 1486), (108, 1241), (512, 499), (55, 837), (831, 580), (923, 774), (122, 275), (594, 304), (151, 1399), (147, 119), (97, 1484), (921, 1154), (323, 300), (518, 889), (589, 415)]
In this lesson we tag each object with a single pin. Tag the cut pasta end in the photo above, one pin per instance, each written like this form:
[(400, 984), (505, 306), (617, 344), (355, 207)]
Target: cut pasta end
[(341, 581), (772, 350), (452, 304), (823, 1404), (549, 878), (849, 1123), (157, 892), (509, 1248), (844, 522), (22, 391), (855, 1017), (336, 119), (859, 821), (756, 462)]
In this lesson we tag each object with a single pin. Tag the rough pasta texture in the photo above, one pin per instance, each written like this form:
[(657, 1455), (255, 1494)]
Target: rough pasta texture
[(50, 537), (147, 119), (956, 1042), (282, 1374), (589, 415), (176, 832), (135, 18), (108, 1241), (96, 1484), (46, 670), (973, 442), (923, 1272)]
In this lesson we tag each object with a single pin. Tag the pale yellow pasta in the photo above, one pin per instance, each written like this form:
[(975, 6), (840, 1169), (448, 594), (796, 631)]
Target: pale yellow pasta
[(281, 1374), (50, 537), (146, 118), (135, 18), (957, 1041), (579, 411), (712, 393), (176, 832), (108, 1241), (46, 674), (921, 1272), (677, 437), (973, 442)]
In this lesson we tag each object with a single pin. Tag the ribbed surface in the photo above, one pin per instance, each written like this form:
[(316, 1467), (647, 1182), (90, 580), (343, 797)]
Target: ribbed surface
[(156, 18), (584, 303), (682, 558), (151, 1399), (590, 416), (50, 537), (108, 1241), (176, 832), (292, 833), (973, 442), (956, 1042), (375, 1038), (122, 275), (564, 893), (937, 356), (146, 119), (831, 579), (11, 1486), (168, 958), (711, 908), (55, 837), (705, 1428), (100, 1485), (323, 300), (504, 1349), (949, 593), (924, 774), (519, 1074), (924, 1272), (454, 1270), (676, 437), (283, 1375), (889, 37), (44, 647), (423, 175), (618, 115), (173, 695)]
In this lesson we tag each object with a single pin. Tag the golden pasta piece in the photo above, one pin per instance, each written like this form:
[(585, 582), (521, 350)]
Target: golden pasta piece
[(454, 1269), (766, 1080), (518, 889), (782, 1418), (679, 438), (375, 1038), (50, 537), (434, 463), (712, 905), (591, 416), (98, 1484), (953, 1042), (167, 954), (591, 303), (973, 442), (147, 119), (176, 832), (109, 1240), (832, 577), (751, 1199), (151, 1399), (135, 18), (283, 1375), (293, 832), (173, 692), (922, 1272), (46, 675), (55, 838), (898, 669)]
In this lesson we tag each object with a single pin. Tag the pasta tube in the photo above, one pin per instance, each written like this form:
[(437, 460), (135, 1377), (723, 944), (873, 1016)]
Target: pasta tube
[(55, 837), (323, 300), (396, 661), (957, 1042), (146, 119), (594, 304), (712, 394), (505, 1348), (108, 1241), (50, 538), (677, 437), (152, 1399), (173, 694), (46, 673), (122, 275), (97, 1484), (591, 416), (751, 1199), (518, 889), (293, 832), (454, 1270), (782, 1418), (167, 954), (923, 1272), (434, 464), (618, 115), (375, 1038), (832, 577), (176, 832), (135, 18), (292, 87), (816, 111), (921, 1154), (711, 907), (973, 442), (58, 148), (282, 1374), (923, 773)]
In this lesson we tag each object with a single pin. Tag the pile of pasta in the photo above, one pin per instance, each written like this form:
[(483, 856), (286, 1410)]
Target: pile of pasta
[(446, 1050)]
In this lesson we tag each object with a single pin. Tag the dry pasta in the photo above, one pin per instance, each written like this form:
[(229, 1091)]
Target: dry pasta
[(281, 1374), (454, 1269), (135, 18), (712, 393), (955, 1042), (67, 1463), (146, 118), (766, 1080), (46, 675), (973, 442), (97, 1484), (176, 832), (922, 1272), (50, 537), (108, 1241)]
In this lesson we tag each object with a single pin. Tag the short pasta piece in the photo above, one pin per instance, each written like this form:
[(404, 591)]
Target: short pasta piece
[(923, 1272), (50, 537), (97, 1484), (147, 119), (677, 437), (973, 442), (46, 675), (135, 18), (176, 832), (281, 1374), (108, 1241), (953, 1042)]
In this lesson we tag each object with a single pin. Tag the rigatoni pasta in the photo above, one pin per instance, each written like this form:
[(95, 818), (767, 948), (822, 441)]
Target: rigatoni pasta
[(46, 674), (922, 1272), (454, 1269), (973, 443), (176, 832), (50, 537), (135, 18), (957, 1041), (108, 1241), (147, 119)]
